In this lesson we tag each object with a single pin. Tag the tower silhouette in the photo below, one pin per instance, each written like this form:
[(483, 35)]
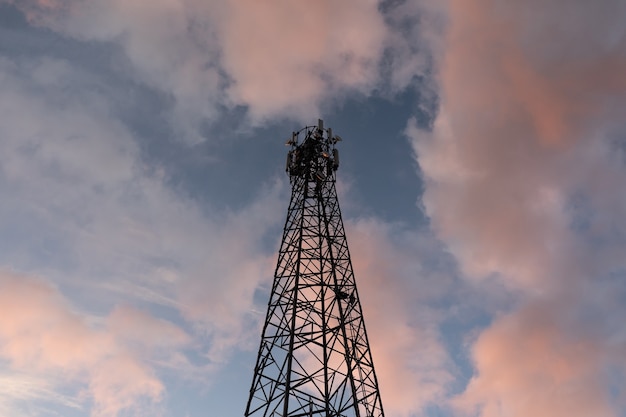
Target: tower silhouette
[(314, 358)]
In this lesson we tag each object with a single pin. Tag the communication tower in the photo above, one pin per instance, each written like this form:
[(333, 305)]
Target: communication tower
[(314, 358)]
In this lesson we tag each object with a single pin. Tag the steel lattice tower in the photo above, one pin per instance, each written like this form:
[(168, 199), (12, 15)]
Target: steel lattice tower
[(314, 358)]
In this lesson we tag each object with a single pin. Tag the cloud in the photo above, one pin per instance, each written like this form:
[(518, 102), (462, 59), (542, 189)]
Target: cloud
[(400, 294), (41, 336), (22, 392), (288, 57), (152, 273), (224, 275), (140, 328), (169, 46), (81, 207), (539, 361), (279, 60), (523, 167), (414, 42), (493, 154)]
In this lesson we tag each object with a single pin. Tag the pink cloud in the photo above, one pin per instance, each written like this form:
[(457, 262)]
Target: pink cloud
[(412, 365), (41, 336), (285, 57), (529, 364), (500, 168), (40, 331), (128, 236), (280, 59), (522, 179)]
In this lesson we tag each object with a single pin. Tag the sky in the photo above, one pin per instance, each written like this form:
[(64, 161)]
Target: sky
[(143, 195)]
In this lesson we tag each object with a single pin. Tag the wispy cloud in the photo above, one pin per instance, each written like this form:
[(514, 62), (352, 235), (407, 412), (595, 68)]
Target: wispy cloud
[(21, 392), (42, 337)]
